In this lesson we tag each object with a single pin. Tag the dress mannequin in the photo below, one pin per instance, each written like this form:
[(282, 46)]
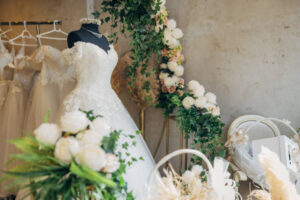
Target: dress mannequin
[(89, 32)]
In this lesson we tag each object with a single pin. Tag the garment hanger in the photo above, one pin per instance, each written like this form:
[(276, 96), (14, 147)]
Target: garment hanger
[(54, 30), (4, 33), (24, 35)]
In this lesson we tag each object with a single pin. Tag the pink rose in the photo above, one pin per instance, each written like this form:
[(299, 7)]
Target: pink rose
[(181, 81), (166, 22), (172, 89), (182, 58)]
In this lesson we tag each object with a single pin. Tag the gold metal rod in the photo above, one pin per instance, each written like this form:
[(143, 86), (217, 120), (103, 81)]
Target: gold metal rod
[(181, 147), (142, 122), (167, 138), (160, 138), (186, 156)]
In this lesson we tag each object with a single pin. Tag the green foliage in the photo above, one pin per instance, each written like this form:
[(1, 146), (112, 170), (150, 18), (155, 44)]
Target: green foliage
[(168, 102), (135, 19), (90, 115), (48, 178), (206, 130)]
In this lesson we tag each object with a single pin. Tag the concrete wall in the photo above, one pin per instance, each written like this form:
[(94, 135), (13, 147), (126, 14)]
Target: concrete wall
[(247, 52)]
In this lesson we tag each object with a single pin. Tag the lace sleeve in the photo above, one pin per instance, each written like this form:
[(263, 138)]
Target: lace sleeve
[(72, 55)]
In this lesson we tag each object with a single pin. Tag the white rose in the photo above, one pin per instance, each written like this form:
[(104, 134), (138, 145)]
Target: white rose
[(101, 126), (66, 148), (188, 102), (169, 81), (211, 97), (163, 66), (91, 156), (199, 91), (177, 33), (192, 85), (74, 121), (179, 70), (171, 24), (172, 66), (47, 133), (188, 177), (197, 169), (163, 75), (173, 43), (200, 102), (91, 137), (216, 111), (112, 163)]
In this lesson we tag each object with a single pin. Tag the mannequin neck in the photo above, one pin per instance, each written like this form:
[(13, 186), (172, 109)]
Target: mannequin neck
[(91, 27)]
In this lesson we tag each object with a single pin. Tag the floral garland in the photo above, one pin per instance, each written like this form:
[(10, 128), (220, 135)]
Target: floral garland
[(153, 33), (198, 113), (77, 160)]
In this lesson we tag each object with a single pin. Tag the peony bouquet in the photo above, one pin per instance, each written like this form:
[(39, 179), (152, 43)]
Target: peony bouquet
[(77, 159)]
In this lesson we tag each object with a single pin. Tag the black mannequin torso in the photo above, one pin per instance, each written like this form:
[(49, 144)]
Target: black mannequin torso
[(84, 35)]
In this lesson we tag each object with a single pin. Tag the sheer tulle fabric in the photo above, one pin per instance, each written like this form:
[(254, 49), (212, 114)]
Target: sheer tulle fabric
[(13, 108), (55, 80), (94, 92)]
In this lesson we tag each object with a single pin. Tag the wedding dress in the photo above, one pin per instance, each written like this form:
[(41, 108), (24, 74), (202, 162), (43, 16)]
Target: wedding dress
[(54, 82), (94, 92), (12, 113)]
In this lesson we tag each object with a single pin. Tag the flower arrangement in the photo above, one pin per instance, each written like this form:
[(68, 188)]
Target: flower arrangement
[(199, 114), (152, 32), (76, 160)]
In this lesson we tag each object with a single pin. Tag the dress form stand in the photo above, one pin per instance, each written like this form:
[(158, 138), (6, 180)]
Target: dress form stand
[(89, 32)]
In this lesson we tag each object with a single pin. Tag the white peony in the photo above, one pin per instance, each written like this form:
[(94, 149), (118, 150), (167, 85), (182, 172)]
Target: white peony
[(91, 156), (200, 102), (188, 102), (177, 33), (173, 43), (211, 98), (197, 169), (163, 66), (179, 70), (167, 37), (171, 24), (175, 79), (65, 148), (172, 66), (101, 126), (47, 133), (188, 177), (74, 121), (163, 75), (169, 81), (112, 163), (199, 91), (192, 85), (91, 137)]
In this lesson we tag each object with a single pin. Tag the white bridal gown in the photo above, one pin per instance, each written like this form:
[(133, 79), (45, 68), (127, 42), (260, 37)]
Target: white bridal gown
[(94, 92)]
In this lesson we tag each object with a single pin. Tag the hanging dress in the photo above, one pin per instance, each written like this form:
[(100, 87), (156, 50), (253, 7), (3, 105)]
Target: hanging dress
[(13, 110), (53, 84)]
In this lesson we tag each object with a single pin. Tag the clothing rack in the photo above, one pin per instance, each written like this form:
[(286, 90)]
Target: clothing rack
[(30, 23)]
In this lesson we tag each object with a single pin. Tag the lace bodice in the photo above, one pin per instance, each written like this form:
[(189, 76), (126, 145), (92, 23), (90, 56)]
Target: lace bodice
[(93, 70)]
